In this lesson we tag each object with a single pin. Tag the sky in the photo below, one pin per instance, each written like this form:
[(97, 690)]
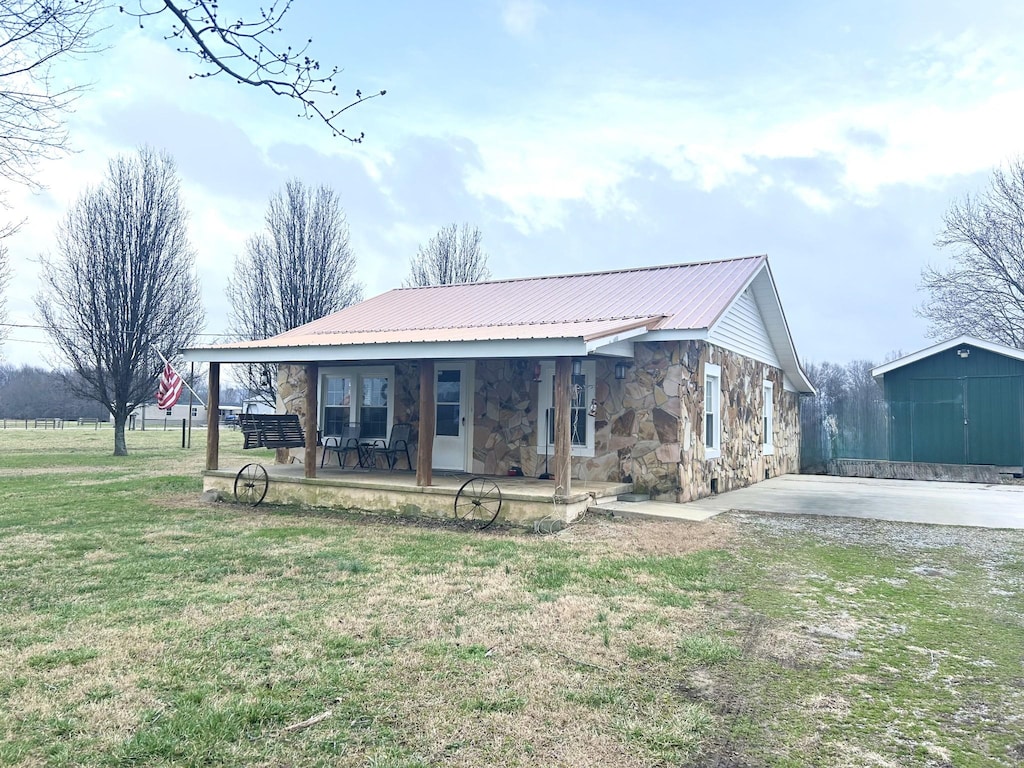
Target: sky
[(582, 136)]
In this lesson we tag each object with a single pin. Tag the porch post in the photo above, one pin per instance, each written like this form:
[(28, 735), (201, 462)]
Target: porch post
[(309, 457), (425, 440), (563, 432), (212, 419)]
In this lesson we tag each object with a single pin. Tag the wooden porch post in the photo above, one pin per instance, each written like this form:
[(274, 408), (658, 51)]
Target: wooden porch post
[(563, 431), (309, 457), (425, 443), (212, 419)]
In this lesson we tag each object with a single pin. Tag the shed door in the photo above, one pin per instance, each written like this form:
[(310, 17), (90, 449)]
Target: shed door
[(993, 420), (937, 423)]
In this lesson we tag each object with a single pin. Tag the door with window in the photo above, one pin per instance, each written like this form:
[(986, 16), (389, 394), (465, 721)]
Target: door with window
[(452, 420)]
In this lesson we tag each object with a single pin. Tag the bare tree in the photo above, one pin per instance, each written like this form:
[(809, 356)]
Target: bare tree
[(123, 285), (37, 34), (299, 269), (982, 292), (846, 416), (453, 255), (5, 277)]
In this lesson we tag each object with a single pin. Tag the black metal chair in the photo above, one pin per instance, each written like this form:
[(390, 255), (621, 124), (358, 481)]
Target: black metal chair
[(397, 445), (344, 444)]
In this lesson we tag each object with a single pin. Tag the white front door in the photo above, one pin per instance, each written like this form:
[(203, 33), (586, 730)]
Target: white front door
[(452, 420)]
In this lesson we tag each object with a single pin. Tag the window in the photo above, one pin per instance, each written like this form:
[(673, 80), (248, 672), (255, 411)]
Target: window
[(581, 428), (448, 394), (712, 411), (337, 401), (169, 411), (768, 424), (373, 407), (362, 396)]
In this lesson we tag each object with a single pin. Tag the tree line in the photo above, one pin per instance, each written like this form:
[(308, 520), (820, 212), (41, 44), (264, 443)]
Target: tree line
[(31, 392)]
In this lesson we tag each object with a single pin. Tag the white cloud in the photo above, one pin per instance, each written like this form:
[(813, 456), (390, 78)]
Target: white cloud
[(520, 17)]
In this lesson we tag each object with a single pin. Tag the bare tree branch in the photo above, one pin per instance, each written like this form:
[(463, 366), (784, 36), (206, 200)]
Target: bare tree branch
[(5, 278), (451, 256), (982, 293), (241, 50), (37, 34), (124, 282), (299, 269), (34, 35)]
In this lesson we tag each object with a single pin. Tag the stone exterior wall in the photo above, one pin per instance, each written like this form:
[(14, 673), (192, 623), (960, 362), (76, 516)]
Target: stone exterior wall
[(291, 398), (648, 428), (505, 418)]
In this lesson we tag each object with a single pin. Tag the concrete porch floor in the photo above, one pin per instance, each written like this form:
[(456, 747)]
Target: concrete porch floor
[(525, 500)]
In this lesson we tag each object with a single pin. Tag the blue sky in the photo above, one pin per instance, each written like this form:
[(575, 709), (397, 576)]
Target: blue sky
[(587, 136)]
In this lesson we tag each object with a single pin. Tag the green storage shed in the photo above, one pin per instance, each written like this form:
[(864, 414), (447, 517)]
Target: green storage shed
[(958, 402)]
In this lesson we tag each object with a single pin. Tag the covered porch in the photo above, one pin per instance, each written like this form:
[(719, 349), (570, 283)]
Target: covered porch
[(524, 500), (524, 423)]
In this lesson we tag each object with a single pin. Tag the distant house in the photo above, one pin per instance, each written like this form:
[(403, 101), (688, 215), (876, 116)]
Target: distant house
[(681, 379), (957, 402), (255, 405), (154, 414), (181, 412)]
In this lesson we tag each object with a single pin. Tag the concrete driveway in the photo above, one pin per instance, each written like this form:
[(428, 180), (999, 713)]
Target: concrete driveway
[(910, 501)]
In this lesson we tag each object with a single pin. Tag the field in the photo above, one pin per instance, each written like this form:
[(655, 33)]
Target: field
[(142, 626)]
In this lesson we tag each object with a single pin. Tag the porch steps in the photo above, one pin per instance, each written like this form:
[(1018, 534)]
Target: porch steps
[(652, 510)]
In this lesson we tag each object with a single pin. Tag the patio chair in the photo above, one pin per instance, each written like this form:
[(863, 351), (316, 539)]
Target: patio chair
[(397, 444), (344, 444)]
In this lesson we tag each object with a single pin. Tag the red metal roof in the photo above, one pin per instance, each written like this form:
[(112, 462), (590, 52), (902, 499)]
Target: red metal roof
[(677, 297)]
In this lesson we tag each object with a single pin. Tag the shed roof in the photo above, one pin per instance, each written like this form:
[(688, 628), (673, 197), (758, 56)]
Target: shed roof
[(943, 346)]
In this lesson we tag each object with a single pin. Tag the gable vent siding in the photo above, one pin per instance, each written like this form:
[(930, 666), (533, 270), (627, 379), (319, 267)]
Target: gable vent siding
[(742, 330)]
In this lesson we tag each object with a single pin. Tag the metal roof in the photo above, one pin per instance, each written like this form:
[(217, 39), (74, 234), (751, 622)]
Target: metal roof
[(570, 315), (676, 297), (585, 330)]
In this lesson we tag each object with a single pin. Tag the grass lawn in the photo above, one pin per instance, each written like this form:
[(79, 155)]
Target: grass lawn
[(143, 627)]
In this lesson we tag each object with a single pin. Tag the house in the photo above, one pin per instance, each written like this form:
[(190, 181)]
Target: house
[(145, 416), (957, 402), (681, 380), (149, 414)]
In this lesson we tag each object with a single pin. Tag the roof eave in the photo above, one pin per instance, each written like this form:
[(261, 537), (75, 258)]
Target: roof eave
[(405, 350), (778, 331), (879, 371)]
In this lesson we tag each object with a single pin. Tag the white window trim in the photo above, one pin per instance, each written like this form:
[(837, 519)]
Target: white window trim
[(356, 373), (547, 376), (712, 371), (768, 414)]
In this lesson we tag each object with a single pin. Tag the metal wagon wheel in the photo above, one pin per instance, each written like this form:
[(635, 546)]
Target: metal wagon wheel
[(251, 484), (478, 501)]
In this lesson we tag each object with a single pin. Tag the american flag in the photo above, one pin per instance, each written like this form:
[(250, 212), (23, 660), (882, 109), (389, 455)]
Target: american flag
[(170, 388)]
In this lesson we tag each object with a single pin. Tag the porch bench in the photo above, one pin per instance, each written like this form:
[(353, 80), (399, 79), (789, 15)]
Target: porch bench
[(271, 430)]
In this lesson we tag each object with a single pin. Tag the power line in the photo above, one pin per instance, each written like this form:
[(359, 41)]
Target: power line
[(45, 327)]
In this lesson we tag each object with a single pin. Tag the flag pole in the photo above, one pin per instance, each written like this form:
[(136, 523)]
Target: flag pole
[(187, 386)]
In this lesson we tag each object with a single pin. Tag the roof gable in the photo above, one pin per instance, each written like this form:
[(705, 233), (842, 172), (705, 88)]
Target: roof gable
[(943, 346)]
